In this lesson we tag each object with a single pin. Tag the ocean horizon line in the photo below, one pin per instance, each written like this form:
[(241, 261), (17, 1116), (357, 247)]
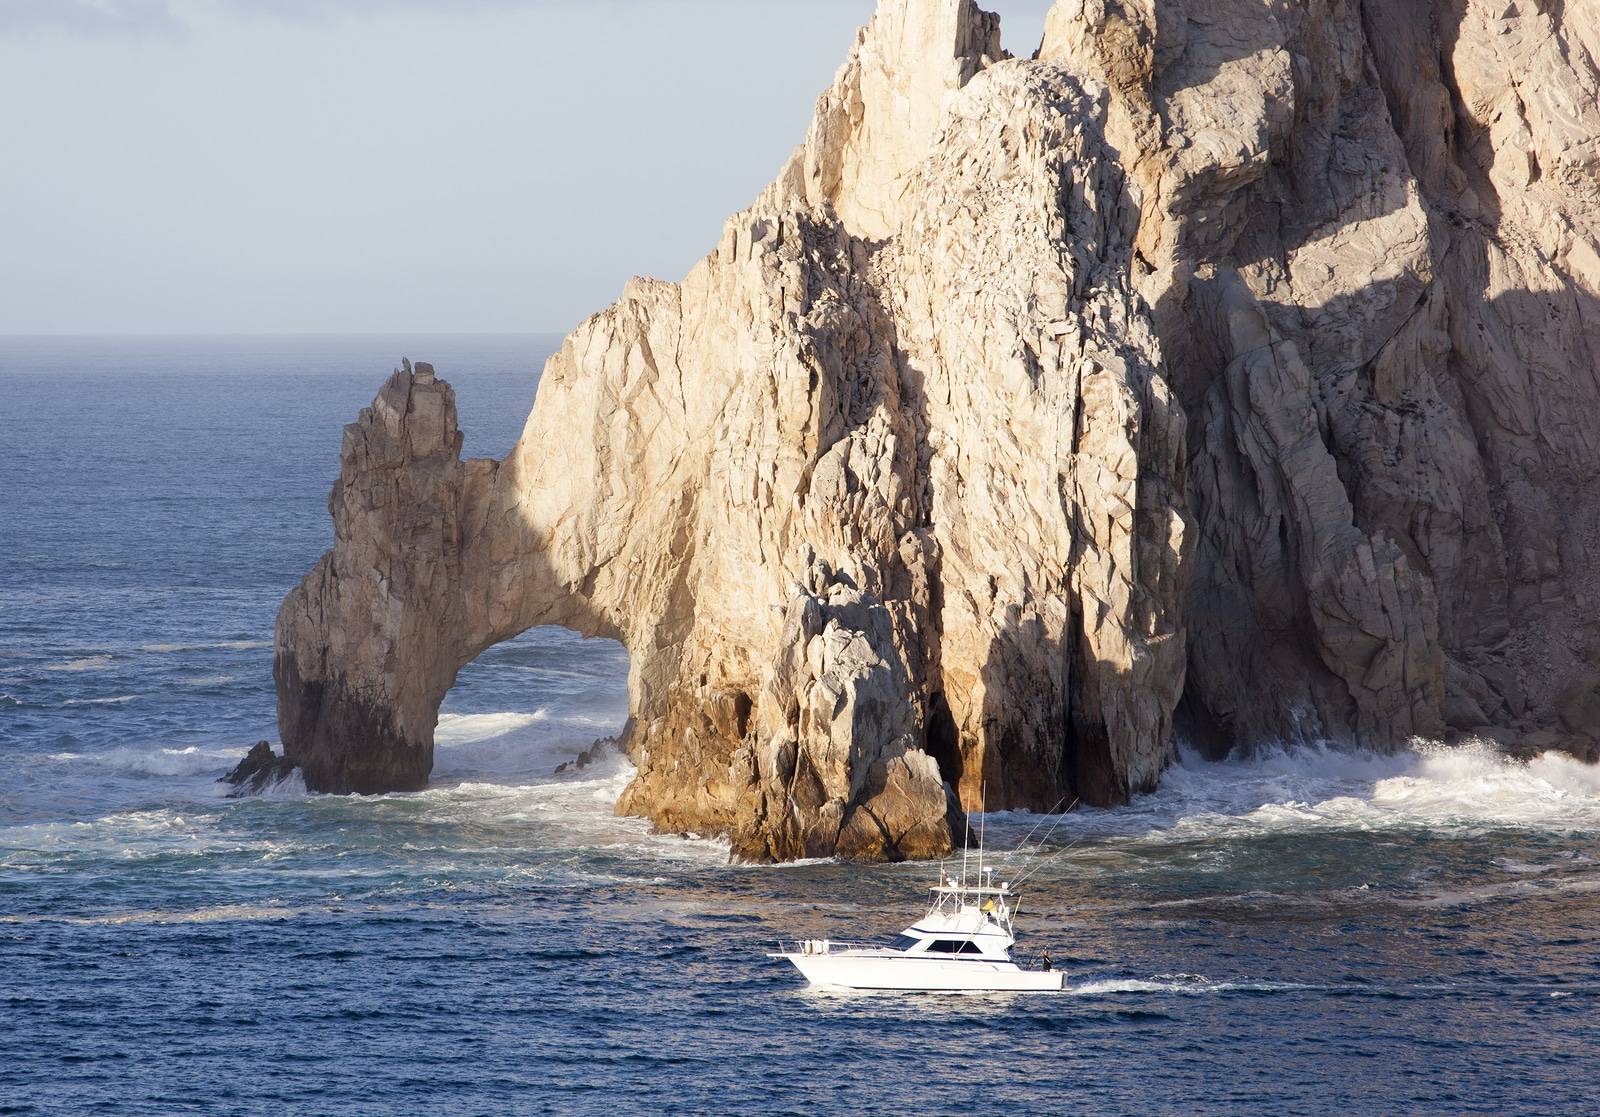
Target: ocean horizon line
[(223, 334)]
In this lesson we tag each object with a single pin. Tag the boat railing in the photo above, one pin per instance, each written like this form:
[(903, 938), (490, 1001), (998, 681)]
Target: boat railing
[(1032, 960), (814, 947)]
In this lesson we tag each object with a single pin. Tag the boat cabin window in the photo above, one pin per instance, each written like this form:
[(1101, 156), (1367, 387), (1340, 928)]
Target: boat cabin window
[(905, 942), (953, 946)]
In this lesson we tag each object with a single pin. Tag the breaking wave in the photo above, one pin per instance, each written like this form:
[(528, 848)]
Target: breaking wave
[(87, 663), (1460, 789), (191, 761), (513, 748), (292, 786), (580, 810), (466, 729), (216, 646), (1468, 786)]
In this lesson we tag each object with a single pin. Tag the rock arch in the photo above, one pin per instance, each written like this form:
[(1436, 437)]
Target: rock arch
[(892, 466)]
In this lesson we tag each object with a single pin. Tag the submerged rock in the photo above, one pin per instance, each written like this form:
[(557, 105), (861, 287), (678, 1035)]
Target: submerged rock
[(259, 770), (1216, 368), (590, 755)]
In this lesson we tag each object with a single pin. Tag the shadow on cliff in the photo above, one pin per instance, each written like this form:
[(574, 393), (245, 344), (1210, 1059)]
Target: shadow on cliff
[(1527, 366), (1505, 531), (1042, 754), (1252, 657)]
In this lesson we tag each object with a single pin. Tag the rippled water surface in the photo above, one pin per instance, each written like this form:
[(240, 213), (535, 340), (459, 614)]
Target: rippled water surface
[(1308, 932)]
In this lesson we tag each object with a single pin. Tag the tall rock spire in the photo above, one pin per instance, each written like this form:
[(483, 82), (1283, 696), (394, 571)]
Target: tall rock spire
[(886, 106)]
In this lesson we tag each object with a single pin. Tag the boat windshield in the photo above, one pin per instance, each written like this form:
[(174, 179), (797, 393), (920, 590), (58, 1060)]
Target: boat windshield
[(904, 942), (953, 946)]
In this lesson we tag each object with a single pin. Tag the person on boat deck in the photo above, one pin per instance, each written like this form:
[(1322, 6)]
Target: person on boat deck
[(1044, 962)]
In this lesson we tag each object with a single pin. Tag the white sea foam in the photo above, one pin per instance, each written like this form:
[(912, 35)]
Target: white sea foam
[(191, 761), (608, 725), (222, 913), (1564, 884), (292, 786), (87, 663), (115, 700), (211, 680), (1560, 862), (1190, 985), (1467, 788), (127, 837), (220, 645), (581, 810), (496, 784), (467, 729), (512, 748)]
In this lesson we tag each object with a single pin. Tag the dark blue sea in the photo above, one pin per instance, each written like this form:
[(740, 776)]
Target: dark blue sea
[(1305, 932)]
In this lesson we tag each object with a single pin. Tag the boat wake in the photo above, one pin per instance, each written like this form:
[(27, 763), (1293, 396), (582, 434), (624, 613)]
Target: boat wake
[(1183, 984)]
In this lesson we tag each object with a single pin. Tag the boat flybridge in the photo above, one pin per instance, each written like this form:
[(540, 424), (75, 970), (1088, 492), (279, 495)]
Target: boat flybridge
[(962, 943)]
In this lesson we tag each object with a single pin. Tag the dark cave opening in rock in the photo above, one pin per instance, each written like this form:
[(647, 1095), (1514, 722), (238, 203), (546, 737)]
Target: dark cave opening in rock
[(942, 740)]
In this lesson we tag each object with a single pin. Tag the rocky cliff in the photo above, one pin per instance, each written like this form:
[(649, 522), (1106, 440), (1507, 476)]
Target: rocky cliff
[(1368, 237), (1225, 370)]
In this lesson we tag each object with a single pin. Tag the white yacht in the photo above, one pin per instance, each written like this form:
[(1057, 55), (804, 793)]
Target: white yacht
[(962, 943)]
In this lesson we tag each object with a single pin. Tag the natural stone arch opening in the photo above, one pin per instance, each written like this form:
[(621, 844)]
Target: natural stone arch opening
[(532, 706)]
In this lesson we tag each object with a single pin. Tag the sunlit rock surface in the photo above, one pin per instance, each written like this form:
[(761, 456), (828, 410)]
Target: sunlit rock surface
[(1226, 366)]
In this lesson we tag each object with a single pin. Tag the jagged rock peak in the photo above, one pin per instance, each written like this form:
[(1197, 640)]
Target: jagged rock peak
[(885, 107)]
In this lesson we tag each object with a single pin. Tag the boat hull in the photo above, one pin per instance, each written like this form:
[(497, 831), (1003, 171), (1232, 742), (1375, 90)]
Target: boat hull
[(925, 975)]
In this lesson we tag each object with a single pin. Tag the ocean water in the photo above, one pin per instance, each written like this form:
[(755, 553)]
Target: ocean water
[(1305, 932)]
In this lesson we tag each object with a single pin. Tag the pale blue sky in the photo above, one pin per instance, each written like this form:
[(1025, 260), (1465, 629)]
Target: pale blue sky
[(282, 166)]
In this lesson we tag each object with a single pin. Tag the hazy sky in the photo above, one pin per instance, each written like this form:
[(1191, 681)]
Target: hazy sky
[(388, 165)]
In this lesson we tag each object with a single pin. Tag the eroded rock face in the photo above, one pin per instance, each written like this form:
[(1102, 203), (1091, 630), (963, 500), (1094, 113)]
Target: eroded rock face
[(1369, 234), (1183, 373)]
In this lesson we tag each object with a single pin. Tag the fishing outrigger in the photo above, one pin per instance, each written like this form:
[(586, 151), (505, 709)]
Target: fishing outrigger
[(962, 943)]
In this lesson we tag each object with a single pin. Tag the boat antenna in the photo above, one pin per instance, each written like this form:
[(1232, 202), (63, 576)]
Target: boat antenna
[(1040, 821), (1063, 851), (1034, 870), (983, 819), (966, 840)]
